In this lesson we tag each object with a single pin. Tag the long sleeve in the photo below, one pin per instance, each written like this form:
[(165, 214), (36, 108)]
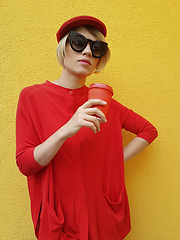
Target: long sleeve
[(136, 124), (42, 110), (25, 138)]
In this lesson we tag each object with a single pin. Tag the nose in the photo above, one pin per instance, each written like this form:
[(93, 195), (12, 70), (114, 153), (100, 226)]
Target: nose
[(87, 51)]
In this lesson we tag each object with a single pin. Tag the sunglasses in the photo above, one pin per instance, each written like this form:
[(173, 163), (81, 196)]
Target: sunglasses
[(78, 43)]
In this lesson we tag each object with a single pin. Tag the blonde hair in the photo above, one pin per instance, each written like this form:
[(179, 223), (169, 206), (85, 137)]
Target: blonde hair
[(61, 48)]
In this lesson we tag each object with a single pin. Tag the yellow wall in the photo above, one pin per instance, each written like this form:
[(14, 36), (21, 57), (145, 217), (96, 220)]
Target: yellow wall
[(144, 70)]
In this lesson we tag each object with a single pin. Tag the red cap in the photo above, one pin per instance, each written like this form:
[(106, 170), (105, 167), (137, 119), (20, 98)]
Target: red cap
[(80, 21)]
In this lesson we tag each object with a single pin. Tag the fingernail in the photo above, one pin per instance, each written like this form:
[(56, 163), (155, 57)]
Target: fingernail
[(104, 102)]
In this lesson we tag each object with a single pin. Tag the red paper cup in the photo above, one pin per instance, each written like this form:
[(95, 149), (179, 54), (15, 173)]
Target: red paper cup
[(103, 92)]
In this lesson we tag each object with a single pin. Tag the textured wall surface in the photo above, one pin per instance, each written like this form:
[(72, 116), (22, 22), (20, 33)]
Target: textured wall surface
[(144, 70)]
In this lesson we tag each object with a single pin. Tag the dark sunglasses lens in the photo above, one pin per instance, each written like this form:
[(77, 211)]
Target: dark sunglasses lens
[(98, 49), (78, 43)]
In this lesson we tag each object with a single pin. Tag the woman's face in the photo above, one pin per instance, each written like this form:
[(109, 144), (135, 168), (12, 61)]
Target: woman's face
[(80, 64)]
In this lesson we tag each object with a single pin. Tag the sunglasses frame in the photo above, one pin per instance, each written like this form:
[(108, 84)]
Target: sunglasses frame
[(86, 40)]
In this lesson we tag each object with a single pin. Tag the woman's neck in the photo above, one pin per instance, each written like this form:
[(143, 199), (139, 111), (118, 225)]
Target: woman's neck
[(71, 81)]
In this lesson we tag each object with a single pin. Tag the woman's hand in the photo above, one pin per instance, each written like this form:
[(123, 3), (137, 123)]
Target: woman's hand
[(85, 116)]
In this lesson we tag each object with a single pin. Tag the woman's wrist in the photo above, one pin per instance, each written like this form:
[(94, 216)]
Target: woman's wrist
[(63, 133)]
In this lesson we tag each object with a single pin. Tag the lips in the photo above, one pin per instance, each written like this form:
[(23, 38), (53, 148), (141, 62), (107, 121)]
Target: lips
[(85, 61)]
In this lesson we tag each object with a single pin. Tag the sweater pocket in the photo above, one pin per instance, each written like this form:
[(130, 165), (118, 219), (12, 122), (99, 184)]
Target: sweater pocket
[(118, 205), (50, 222), (115, 215)]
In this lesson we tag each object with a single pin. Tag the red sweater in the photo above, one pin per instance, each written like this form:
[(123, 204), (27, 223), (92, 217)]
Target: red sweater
[(81, 193)]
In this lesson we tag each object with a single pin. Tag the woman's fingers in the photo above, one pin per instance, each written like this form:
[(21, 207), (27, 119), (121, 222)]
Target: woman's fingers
[(94, 111), (93, 123), (88, 106), (86, 116), (92, 102)]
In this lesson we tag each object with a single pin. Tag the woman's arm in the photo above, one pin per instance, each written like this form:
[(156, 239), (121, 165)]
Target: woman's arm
[(134, 147), (84, 117), (144, 130)]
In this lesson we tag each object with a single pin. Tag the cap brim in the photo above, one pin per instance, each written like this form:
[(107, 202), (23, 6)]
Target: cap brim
[(80, 21)]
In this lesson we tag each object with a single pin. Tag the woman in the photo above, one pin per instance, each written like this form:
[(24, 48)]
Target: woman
[(74, 161)]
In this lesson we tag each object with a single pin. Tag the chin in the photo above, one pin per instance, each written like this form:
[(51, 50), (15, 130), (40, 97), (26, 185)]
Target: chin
[(83, 74)]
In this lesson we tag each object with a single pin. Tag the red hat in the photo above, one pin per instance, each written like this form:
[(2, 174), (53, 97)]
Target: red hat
[(79, 21)]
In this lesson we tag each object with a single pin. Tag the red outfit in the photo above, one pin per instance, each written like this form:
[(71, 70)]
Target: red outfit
[(81, 193)]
